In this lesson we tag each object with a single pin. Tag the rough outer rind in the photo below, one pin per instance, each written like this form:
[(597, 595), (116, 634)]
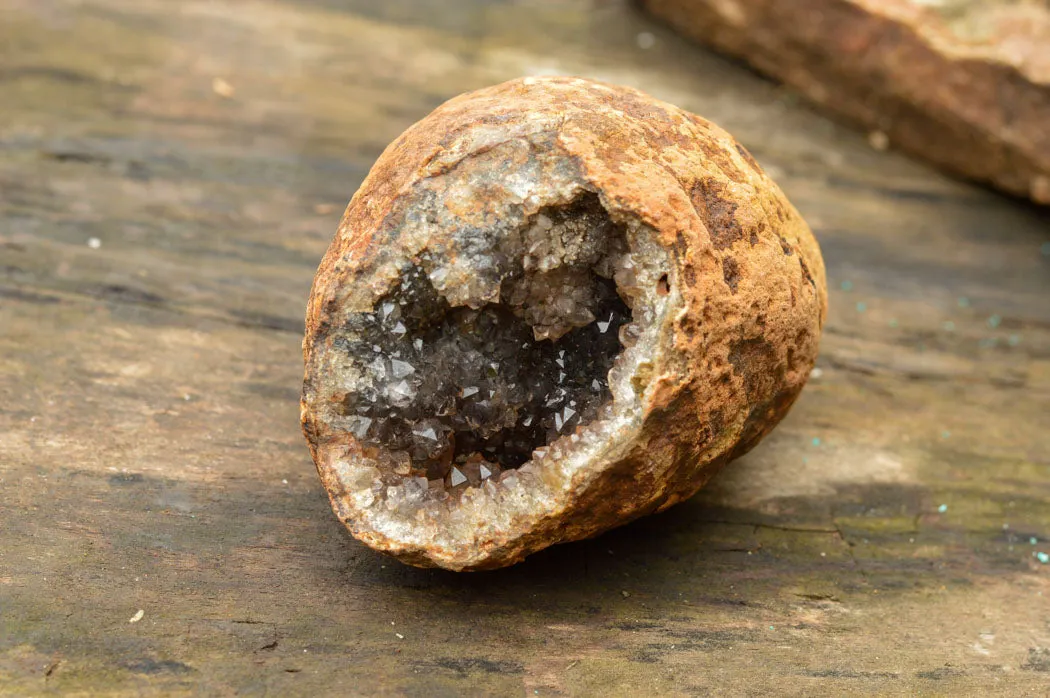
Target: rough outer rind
[(965, 85), (748, 281)]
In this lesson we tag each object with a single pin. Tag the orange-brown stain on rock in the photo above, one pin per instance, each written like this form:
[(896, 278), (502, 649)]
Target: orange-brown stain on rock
[(721, 157), (731, 273), (718, 212), (756, 362), (746, 154), (805, 271)]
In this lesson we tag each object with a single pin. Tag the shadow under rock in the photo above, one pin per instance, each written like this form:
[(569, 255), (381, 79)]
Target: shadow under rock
[(696, 548)]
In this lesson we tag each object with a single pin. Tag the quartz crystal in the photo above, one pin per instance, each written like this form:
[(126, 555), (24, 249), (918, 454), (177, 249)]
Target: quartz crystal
[(487, 386)]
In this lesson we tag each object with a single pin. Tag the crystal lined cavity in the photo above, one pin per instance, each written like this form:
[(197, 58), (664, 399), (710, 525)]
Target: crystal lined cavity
[(466, 393)]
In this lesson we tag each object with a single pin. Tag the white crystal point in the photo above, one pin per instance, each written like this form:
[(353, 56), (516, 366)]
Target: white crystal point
[(402, 368), (360, 426), (427, 433), (485, 473), (401, 393), (458, 478)]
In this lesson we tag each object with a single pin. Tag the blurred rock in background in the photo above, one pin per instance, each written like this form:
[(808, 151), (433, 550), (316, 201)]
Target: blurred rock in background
[(964, 84)]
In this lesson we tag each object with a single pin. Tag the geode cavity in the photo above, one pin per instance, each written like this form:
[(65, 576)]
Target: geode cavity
[(553, 306)]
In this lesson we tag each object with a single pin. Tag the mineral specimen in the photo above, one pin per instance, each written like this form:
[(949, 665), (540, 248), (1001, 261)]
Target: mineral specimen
[(553, 306)]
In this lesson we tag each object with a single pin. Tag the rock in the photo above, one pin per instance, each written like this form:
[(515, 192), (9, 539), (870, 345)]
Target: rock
[(965, 85), (602, 298)]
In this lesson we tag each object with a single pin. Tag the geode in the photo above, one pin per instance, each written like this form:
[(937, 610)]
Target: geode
[(553, 306)]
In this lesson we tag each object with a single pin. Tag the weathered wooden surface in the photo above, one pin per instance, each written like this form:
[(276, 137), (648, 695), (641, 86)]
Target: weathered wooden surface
[(170, 174)]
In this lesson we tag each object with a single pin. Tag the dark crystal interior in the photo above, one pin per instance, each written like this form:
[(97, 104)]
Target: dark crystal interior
[(460, 394)]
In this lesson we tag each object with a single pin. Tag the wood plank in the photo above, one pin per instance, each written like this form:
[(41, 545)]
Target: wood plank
[(879, 541)]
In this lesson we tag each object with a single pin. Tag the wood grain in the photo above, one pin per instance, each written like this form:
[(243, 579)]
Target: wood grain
[(170, 175)]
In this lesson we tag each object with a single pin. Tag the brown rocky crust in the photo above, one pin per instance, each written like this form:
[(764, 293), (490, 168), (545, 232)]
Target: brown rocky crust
[(726, 290), (964, 84)]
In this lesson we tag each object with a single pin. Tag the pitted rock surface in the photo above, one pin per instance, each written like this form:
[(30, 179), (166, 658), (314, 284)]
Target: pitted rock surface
[(554, 305)]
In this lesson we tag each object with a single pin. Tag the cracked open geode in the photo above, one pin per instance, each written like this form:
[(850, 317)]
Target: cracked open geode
[(553, 306)]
